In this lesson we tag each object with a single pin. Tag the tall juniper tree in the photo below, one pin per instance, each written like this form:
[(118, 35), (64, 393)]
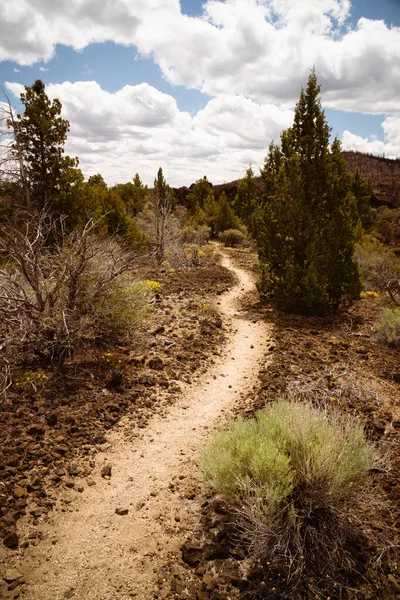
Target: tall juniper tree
[(307, 216), (41, 133)]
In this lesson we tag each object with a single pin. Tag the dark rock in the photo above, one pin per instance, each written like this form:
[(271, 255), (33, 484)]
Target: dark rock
[(11, 540), (51, 419), (115, 380), (156, 363), (121, 511), (106, 471), (148, 380), (159, 330), (69, 594), (100, 439), (137, 359), (35, 430), (14, 585), (70, 483), (191, 554)]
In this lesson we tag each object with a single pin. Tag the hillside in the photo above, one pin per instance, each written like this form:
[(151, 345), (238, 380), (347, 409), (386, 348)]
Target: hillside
[(382, 173)]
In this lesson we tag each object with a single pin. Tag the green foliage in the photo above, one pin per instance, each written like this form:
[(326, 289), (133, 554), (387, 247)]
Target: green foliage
[(122, 311), (133, 195), (387, 225), (202, 207), (288, 447), (119, 222), (225, 217), (199, 195), (41, 133), (305, 222), (362, 192), (292, 477), (232, 237), (246, 198), (388, 328), (195, 235)]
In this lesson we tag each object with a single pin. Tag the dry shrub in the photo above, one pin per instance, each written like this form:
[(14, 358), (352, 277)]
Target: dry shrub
[(292, 476), (184, 257), (380, 267), (61, 291)]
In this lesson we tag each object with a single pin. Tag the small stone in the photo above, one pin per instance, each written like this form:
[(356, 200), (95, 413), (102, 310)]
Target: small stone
[(156, 363), (90, 481), (106, 471), (69, 594), (12, 575), (115, 380), (80, 488), (100, 439), (11, 540), (19, 492), (209, 581), (14, 585), (51, 419), (191, 554), (70, 483), (121, 511)]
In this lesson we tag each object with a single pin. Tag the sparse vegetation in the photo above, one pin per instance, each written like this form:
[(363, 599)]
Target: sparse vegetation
[(232, 237), (388, 328), (59, 291), (292, 476)]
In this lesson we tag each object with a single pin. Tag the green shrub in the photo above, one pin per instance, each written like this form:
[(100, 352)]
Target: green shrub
[(291, 476), (195, 235), (232, 237), (388, 329)]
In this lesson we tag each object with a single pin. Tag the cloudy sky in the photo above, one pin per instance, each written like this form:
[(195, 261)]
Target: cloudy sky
[(201, 88)]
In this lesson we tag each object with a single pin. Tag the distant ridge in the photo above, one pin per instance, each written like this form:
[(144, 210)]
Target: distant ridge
[(382, 173)]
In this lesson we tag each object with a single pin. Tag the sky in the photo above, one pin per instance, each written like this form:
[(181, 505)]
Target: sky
[(202, 88)]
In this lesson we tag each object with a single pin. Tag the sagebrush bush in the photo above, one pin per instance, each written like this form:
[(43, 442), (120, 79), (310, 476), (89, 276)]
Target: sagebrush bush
[(388, 328), (379, 266), (291, 475), (232, 237), (195, 235)]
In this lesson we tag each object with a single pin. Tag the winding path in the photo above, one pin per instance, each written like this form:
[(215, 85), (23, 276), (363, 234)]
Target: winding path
[(91, 553)]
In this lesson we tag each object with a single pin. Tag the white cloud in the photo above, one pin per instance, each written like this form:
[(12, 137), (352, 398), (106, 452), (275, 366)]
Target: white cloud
[(263, 49), (43, 69), (139, 129), (390, 147)]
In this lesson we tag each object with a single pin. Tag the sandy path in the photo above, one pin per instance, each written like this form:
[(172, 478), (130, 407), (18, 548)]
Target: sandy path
[(91, 553)]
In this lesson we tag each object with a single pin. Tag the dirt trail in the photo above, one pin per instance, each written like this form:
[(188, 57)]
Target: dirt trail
[(91, 553)]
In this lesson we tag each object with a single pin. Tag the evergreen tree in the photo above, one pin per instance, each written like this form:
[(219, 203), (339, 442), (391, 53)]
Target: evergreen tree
[(246, 198), (199, 195), (133, 195), (41, 133), (225, 215), (306, 219)]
